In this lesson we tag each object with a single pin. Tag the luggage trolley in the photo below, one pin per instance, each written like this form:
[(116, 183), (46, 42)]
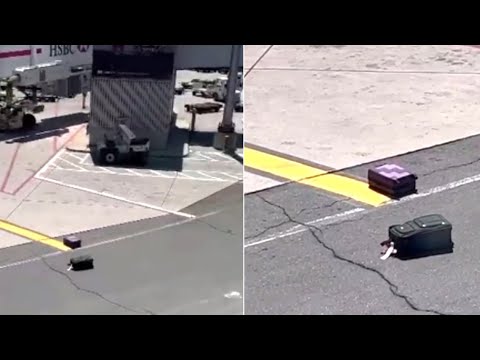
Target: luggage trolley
[(126, 146)]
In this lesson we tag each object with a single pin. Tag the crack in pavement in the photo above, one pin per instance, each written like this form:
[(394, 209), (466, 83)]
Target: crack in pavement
[(112, 302), (392, 287), (451, 167), (95, 293), (339, 201), (226, 232), (272, 227)]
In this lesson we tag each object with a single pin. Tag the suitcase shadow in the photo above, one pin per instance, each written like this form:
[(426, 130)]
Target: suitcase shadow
[(421, 255)]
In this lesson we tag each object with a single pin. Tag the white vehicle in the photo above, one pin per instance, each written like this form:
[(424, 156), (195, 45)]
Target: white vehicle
[(239, 104), (218, 91), (47, 68), (126, 146)]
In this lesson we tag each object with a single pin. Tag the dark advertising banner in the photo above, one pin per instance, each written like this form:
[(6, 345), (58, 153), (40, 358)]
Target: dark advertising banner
[(133, 61)]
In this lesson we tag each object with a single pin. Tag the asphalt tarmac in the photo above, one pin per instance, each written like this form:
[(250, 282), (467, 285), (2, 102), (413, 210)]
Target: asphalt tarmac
[(333, 266), (165, 265)]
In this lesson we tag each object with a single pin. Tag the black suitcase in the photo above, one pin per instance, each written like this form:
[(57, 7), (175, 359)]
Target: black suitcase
[(392, 180), (423, 236), (80, 263)]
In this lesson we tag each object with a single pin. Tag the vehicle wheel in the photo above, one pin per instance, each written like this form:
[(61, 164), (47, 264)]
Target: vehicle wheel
[(29, 121), (216, 97), (109, 156)]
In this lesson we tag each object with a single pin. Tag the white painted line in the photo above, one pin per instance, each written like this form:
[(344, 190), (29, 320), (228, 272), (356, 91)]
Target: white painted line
[(123, 172), (72, 164), (50, 162), (85, 158), (432, 191), (220, 155), (233, 295), (83, 171), (146, 232), (134, 172), (185, 175), (302, 229), (28, 261), (112, 241), (439, 189), (159, 174), (107, 171), (79, 158), (232, 176), (206, 157), (209, 176), (114, 197)]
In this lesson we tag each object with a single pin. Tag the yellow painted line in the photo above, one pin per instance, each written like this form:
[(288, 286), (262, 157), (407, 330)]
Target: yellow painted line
[(308, 175), (32, 235)]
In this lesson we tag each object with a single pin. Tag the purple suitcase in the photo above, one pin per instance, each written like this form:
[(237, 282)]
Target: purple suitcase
[(392, 180)]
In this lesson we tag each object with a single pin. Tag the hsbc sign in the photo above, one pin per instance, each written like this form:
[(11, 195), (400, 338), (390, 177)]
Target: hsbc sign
[(65, 50)]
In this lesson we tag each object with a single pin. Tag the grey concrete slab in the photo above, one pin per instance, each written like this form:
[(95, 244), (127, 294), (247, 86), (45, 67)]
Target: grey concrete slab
[(383, 100), (8, 204), (184, 269), (255, 182), (205, 173), (253, 53), (200, 160), (9, 240), (426, 58), (74, 203), (25, 153), (56, 210), (337, 270)]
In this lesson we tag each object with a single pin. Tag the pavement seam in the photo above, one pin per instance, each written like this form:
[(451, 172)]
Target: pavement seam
[(451, 167), (345, 170), (260, 58), (366, 71), (392, 286)]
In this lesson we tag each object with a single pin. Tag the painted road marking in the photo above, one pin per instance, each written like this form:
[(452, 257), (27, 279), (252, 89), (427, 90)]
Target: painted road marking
[(32, 235), (79, 158), (314, 177), (211, 156), (64, 162), (197, 156), (72, 164), (49, 161), (114, 197), (113, 241), (297, 229), (192, 175)]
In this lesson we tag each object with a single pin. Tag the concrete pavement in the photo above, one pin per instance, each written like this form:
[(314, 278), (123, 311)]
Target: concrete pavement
[(48, 190), (333, 266), (340, 106)]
